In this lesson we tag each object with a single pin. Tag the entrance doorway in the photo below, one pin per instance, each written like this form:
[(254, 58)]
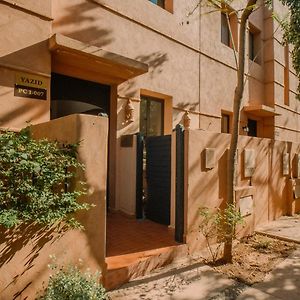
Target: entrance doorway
[(156, 161), (158, 177), (71, 95)]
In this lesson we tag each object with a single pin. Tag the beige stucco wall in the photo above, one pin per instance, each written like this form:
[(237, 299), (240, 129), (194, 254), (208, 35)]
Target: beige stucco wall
[(24, 47), (207, 187), (188, 64), (126, 178), (189, 68), (187, 60), (25, 251)]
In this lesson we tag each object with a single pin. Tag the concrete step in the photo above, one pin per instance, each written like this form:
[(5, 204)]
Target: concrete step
[(123, 268)]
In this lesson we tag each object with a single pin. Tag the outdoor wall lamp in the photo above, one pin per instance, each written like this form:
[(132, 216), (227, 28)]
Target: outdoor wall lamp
[(187, 120), (129, 112), (246, 128)]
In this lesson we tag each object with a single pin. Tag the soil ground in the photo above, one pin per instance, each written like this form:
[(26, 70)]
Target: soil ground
[(254, 257)]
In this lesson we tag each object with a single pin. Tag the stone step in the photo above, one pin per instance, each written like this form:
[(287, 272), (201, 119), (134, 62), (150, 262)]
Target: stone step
[(123, 268)]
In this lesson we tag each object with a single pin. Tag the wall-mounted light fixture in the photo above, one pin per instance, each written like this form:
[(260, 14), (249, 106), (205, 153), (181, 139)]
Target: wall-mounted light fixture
[(246, 128), (186, 120), (129, 112)]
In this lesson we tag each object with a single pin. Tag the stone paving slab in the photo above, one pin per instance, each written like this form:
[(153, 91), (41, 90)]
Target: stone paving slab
[(192, 283), (207, 286), (286, 228), (282, 283), (254, 294)]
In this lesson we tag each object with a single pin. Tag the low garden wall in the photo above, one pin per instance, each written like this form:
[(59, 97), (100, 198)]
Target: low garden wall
[(25, 251), (267, 180)]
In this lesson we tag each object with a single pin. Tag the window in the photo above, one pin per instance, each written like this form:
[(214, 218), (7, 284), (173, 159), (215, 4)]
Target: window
[(225, 123), (160, 3), (165, 4), (225, 31), (252, 126), (254, 45), (251, 46), (151, 116)]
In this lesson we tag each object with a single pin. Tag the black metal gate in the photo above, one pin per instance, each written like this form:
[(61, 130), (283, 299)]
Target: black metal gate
[(158, 173)]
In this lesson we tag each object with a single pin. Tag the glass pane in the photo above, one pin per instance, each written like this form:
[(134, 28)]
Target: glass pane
[(151, 116), (155, 118), (225, 34), (225, 124), (143, 117), (251, 46), (160, 3)]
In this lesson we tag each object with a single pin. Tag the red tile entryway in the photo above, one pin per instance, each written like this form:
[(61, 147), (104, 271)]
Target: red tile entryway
[(135, 247)]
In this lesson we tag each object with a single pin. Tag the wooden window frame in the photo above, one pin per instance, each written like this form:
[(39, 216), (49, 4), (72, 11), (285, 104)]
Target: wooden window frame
[(229, 116), (161, 101), (254, 46), (229, 41), (166, 4)]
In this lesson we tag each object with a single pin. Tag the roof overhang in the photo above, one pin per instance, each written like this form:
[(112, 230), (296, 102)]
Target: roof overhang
[(107, 67), (260, 110)]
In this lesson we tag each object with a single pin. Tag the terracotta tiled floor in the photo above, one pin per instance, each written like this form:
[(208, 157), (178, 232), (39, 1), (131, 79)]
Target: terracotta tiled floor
[(128, 235), (135, 248)]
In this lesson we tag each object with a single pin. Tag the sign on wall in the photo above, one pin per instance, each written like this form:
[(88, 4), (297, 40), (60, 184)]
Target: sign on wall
[(30, 86)]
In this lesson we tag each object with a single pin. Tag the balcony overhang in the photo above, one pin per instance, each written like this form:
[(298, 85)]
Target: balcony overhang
[(260, 110), (73, 56)]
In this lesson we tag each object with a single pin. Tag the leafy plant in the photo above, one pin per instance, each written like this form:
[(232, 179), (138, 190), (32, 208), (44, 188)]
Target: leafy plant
[(36, 181), (214, 226), (262, 243), (70, 283)]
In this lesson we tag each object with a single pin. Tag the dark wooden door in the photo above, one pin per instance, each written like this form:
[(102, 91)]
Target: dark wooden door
[(158, 175)]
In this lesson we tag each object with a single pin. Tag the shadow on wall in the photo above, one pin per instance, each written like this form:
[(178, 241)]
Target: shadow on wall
[(26, 235), (155, 61), (25, 250), (93, 220), (207, 187), (35, 113), (88, 23), (35, 57), (18, 111)]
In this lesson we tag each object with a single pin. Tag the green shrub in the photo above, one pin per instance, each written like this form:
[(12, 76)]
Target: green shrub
[(71, 284), (35, 178)]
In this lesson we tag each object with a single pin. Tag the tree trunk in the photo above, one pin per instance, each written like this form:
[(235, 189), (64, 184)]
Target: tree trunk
[(238, 96)]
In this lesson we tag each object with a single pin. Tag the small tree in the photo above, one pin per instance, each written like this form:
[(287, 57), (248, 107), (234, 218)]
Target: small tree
[(238, 96), (293, 37)]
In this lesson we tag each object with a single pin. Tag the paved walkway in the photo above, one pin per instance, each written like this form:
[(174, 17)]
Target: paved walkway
[(282, 283), (287, 228), (200, 282)]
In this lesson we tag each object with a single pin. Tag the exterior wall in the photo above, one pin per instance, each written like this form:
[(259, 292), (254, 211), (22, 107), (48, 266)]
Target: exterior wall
[(185, 55), (287, 122), (270, 189), (164, 41), (189, 69), (187, 64), (25, 29), (25, 250), (126, 192)]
